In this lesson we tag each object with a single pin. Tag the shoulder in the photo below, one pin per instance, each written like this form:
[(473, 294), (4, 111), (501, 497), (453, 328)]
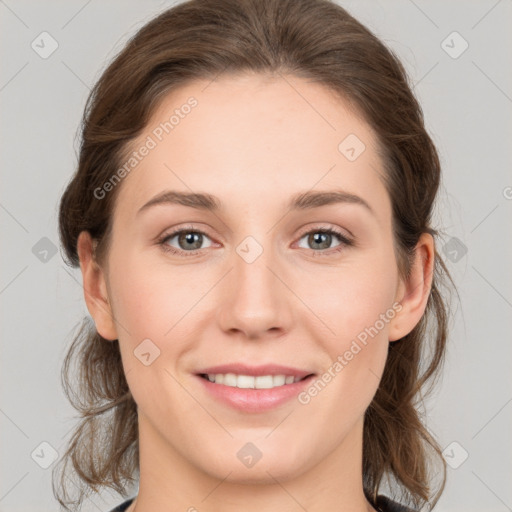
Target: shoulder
[(385, 504), (123, 506)]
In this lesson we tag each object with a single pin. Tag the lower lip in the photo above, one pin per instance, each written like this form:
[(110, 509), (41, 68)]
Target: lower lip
[(255, 400)]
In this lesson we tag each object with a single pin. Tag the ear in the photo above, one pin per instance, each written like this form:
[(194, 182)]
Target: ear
[(95, 288), (413, 294)]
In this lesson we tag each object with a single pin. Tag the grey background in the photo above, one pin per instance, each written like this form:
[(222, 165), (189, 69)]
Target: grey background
[(467, 103)]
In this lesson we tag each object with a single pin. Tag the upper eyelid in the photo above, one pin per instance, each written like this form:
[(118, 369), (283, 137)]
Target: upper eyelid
[(173, 232), (336, 229)]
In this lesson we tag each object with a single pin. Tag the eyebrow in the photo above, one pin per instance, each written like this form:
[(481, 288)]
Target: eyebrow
[(301, 201)]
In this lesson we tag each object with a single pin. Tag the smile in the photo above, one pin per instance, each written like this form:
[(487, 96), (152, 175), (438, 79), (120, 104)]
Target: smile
[(241, 392), (251, 381)]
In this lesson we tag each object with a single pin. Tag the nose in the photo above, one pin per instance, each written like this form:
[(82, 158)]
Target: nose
[(254, 300)]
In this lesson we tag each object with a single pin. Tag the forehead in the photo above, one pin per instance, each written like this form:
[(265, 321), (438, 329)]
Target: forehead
[(246, 137)]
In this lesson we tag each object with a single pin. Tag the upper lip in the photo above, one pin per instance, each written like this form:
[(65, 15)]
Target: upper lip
[(266, 369)]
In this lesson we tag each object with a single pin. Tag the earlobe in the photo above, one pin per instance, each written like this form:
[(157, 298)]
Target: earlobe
[(95, 289), (413, 294)]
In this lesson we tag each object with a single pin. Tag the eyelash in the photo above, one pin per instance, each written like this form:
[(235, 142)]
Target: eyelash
[(345, 242)]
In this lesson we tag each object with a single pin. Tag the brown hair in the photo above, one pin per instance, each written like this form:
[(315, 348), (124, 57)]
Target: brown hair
[(317, 40)]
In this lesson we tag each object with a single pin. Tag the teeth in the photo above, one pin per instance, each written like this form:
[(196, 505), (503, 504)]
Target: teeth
[(249, 381)]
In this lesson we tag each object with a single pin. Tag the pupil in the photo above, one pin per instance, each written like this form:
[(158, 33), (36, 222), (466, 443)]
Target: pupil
[(190, 238), (318, 237)]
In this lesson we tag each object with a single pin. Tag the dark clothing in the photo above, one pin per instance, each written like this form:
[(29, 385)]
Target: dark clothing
[(123, 506), (384, 504)]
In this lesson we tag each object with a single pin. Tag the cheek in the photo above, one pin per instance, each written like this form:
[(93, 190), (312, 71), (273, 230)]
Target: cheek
[(356, 304), (151, 305), (353, 298), (150, 299)]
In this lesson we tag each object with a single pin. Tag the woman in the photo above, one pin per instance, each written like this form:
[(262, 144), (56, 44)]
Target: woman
[(251, 215)]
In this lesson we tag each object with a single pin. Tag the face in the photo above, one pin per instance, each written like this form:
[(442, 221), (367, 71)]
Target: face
[(255, 281)]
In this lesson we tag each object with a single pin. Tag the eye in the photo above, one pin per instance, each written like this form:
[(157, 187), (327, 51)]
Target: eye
[(189, 241), (321, 239)]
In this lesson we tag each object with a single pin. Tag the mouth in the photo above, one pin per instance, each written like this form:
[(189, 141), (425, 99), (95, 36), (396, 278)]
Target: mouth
[(253, 381), (259, 393)]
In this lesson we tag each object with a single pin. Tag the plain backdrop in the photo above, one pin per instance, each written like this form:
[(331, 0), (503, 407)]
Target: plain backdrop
[(458, 55)]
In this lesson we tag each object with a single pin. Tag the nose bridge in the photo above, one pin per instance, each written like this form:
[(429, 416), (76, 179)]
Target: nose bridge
[(255, 284), (255, 300), (251, 267)]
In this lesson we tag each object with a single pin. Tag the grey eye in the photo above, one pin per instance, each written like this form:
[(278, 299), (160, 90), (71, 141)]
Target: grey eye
[(319, 239), (188, 240)]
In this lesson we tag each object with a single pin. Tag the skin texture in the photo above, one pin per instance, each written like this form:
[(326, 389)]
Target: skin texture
[(253, 142)]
